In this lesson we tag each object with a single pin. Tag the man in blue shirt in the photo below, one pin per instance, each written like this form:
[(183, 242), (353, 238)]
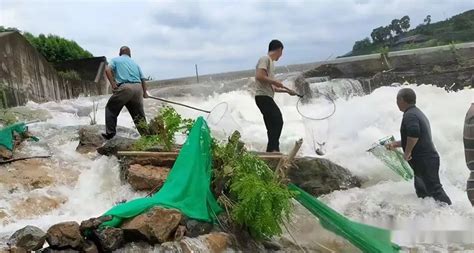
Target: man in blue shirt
[(129, 89)]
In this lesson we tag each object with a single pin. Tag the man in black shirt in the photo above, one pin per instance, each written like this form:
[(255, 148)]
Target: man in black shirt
[(418, 148)]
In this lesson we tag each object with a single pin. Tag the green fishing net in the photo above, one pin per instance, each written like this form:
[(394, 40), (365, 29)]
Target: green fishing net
[(391, 158)]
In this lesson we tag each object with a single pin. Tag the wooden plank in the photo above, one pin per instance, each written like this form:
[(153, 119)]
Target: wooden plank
[(262, 155)]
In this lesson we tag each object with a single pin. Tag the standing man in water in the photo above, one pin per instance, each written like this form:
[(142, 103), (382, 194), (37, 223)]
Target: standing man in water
[(266, 86), (418, 148), (129, 89)]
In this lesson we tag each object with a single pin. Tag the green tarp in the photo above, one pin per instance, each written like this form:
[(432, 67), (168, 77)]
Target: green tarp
[(6, 134), (367, 238), (187, 187)]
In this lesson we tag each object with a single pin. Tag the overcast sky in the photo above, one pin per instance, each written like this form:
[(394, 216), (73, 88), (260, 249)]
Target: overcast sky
[(168, 37)]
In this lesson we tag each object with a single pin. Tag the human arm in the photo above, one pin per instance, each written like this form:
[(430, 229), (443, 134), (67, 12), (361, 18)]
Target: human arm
[(110, 75), (143, 79)]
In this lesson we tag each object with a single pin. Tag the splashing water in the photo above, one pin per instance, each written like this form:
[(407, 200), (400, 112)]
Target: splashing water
[(76, 180)]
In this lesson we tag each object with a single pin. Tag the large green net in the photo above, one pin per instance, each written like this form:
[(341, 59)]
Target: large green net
[(187, 187), (366, 238), (391, 158), (7, 134)]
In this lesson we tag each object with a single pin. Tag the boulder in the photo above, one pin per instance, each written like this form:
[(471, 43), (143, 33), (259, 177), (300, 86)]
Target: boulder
[(319, 176), (65, 235), (93, 223), (29, 238), (5, 154), (217, 242), (90, 139), (116, 144), (196, 228), (109, 239), (158, 225), (147, 177)]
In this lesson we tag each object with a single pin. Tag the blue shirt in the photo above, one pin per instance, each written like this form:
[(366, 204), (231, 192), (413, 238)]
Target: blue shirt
[(126, 70)]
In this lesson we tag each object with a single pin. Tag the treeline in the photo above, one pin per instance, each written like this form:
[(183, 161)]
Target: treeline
[(54, 48), (459, 28)]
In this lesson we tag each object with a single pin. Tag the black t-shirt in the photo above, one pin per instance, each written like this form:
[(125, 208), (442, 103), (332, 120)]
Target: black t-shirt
[(415, 124)]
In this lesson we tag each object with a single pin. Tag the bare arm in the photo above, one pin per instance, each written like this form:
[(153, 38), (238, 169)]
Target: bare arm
[(110, 75), (411, 142), (145, 94), (262, 76)]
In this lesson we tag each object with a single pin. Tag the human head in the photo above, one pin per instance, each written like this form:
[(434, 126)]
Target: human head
[(125, 50), (406, 97), (276, 49)]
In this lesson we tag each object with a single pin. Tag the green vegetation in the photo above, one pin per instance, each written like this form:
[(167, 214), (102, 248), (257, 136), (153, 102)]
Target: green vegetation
[(70, 74), (257, 199), (162, 130), (52, 47), (7, 117), (397, 36)]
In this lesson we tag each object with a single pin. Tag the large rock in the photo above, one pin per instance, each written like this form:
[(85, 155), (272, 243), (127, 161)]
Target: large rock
[(116, 144), (109, 239), (217, 242), (90, 139), (320, 176), (29, 238), (155, 226), (196, 228), (146, 178), (5, 153), (65, 235), (93, 223)]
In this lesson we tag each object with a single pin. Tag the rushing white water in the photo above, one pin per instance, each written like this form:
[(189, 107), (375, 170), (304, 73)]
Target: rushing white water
[(89, 184)]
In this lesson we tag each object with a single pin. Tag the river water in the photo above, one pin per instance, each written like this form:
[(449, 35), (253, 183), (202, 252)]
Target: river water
[(80, 186)]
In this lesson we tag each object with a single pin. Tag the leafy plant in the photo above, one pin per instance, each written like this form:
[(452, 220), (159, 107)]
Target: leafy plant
[(261, 203), (70, 74), (162, 129)]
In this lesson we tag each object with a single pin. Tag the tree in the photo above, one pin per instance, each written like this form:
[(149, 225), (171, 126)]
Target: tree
[(386, 33), (461, 24), (377, 34), (56, 49), (8, 29), (395, 27), (405, 23), (427, 20), (361, 44)]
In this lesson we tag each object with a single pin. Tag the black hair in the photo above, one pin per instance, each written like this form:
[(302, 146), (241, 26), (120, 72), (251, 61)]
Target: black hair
[(275, 45), (408, 95)]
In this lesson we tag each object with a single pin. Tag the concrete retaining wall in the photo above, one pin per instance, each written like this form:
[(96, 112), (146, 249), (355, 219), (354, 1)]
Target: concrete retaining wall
[(26, 75)]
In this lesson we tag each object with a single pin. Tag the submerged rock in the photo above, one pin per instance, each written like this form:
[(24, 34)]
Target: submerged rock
[(155, 226), (146, 178), (29, 238), (319, 176)]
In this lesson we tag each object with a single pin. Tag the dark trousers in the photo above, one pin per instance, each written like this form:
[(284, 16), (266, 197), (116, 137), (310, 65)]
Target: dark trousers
[(273, 121), (130, 96), (427, 183)]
